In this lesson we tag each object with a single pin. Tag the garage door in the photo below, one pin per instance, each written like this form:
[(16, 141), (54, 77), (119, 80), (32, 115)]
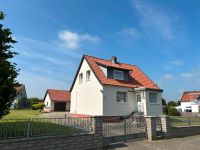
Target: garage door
[(59, 106)]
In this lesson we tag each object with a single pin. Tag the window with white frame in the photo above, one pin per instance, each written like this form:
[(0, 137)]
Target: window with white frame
[(121, 97), (153, 98), (80, 77), (88, 75), (47, 103), (118, 74)]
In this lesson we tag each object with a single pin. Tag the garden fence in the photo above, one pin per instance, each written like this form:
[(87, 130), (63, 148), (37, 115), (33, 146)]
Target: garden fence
[(184, 121), (24, 128)]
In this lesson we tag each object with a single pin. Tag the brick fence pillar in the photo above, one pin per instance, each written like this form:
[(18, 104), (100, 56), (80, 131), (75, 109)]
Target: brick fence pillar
[(165, 123), (151, 127), (97, 124)]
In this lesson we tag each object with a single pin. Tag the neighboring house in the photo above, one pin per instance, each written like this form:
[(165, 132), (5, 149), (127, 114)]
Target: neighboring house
[(111, 88), (20, 95), (190, 102), (57, 100)]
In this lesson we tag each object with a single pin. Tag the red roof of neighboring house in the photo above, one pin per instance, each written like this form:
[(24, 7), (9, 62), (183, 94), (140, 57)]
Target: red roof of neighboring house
[(190, 96), (138, 79), (19, 88), (59, 95)]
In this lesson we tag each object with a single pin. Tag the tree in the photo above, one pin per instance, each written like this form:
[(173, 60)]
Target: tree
[(164, 106), (8, 70), (178, 103), (171, 104), (173, 111)]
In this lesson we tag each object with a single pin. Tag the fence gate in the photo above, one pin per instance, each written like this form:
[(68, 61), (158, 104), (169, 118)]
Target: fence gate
[(118, 129)]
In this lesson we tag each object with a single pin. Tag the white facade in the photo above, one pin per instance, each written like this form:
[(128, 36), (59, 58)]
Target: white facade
[(49, 105), (190, 106), (87, 97), (91, 98)]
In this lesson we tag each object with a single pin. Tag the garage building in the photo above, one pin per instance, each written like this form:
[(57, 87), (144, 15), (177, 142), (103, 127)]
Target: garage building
[(57, 100)]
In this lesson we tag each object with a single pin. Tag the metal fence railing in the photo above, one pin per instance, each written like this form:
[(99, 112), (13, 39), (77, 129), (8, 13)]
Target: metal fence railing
[(118, 126), (23, 128), (184, 121)]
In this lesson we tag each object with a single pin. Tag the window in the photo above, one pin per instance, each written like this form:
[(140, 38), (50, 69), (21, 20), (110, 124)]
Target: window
[(118, 74), (152, 97), (47, 103), (80, 78), (138, 97), (88, 75), (121, 97)]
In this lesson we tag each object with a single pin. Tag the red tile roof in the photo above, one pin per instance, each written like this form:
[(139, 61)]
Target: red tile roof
[(189, 96), (19, 88), (59, 95), (137, 77)]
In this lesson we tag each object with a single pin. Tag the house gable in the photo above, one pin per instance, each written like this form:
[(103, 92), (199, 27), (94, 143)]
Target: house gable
[(86, 96)]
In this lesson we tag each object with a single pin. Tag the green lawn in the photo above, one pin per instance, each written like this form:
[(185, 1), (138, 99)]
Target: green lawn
[(22, 114), (24, 128), (28, 123)]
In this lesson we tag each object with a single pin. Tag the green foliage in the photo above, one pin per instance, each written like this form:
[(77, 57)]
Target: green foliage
[(178, 103), (38, 106), (8, 70), (33, 100), (164, 106), (164, 103), (173, 111), (171, 104)]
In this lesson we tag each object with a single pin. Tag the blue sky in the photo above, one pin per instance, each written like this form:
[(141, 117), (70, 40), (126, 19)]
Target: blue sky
[(161, 37)]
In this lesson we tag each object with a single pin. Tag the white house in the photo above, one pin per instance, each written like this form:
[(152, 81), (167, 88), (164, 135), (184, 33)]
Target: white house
[(111, 88), (190, 101), (57, 100), (20, 95)]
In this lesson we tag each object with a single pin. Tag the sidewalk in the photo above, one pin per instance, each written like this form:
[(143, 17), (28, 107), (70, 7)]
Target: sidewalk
[(186, 143)]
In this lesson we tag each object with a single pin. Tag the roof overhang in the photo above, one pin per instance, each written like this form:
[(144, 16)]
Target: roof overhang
[(145, 89)]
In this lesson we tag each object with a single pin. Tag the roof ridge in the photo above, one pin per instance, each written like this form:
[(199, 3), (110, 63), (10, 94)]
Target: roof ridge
[(190, 91), (59, 90), (109, 60)]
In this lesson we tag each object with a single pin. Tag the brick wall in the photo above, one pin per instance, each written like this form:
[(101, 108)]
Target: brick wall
[(76, 142)]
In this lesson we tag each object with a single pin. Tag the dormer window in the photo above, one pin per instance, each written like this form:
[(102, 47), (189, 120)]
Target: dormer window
[(118, 74)]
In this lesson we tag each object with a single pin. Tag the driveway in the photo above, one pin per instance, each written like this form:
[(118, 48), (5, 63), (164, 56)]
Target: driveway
[(54, 115), (186, 143)]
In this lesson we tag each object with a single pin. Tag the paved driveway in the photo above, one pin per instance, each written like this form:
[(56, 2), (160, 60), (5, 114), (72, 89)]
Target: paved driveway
[(54, 115), (186, 143)]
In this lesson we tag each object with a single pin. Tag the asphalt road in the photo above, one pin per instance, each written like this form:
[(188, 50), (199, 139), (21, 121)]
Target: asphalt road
[(185, 143)]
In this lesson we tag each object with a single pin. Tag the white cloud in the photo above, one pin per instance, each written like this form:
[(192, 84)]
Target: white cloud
[(131, 32), (178, 62), (47, 58), (171, 64), (187, 75), (73, 40), (168, 77), (36, 85), (155, 19)]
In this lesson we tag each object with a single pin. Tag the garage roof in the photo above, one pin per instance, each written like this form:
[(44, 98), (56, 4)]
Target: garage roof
[(59, 95)]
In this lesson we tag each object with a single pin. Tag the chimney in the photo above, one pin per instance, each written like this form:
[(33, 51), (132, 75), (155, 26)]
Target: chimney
[(114, 59)]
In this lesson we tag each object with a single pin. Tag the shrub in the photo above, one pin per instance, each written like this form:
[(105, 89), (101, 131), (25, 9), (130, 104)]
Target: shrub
[(38, 106), (173, 111)]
